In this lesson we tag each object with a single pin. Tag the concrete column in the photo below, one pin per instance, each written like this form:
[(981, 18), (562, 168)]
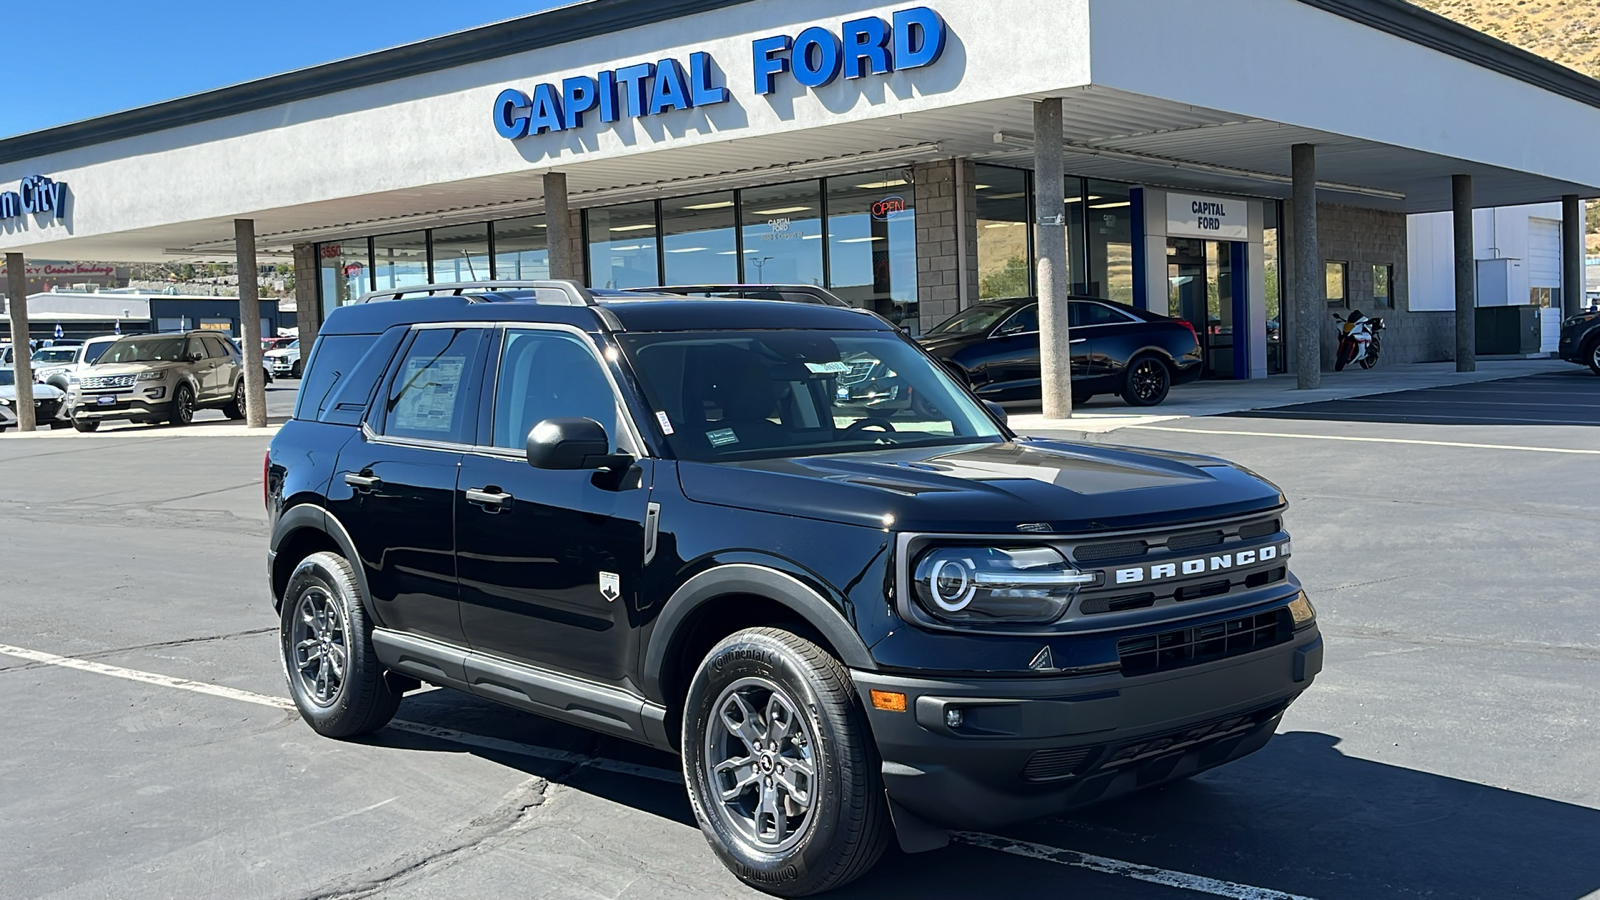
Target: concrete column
[(307, 297), (17, 287), (1310, 286), (1466, 276), (1572, 251), (558, 228), (255, 386), (1050, 239)]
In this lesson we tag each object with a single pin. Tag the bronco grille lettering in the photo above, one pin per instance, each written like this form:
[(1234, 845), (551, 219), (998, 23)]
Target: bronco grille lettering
[(1200, 565)]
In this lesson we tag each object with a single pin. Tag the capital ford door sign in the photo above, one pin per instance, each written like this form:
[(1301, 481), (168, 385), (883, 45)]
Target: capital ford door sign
[(817, 56)]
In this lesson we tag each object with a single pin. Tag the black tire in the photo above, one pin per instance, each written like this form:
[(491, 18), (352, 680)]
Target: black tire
[(844, 826), (234, 409), (1341, 358), (1147, 382), (323, 619), (182, 405), (85, 425), (1593, 353), (1368, 361), (294, 370)]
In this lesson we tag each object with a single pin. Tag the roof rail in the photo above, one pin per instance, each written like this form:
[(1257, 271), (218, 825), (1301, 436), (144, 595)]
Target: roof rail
[(574, 293)]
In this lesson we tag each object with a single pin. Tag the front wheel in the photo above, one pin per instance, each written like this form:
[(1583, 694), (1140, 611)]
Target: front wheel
[(85, 425), (182, 405), (326, 645), (1148, 382), (780, 766), (1594, 356), (294, 370)]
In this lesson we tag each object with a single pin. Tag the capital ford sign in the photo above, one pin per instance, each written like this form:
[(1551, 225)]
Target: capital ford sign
[(35, 196), (1212, 218), (815, 57)]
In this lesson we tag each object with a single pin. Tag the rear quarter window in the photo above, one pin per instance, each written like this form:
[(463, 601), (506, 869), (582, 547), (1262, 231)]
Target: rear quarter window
[(335, 360)]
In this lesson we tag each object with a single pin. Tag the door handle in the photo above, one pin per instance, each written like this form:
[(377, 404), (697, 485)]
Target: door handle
[(362, 482), (488, 498), (1077, 340)]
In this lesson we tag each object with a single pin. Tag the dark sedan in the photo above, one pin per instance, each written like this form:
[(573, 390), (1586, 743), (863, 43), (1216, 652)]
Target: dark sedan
[(1116, 349), (1580, 340)]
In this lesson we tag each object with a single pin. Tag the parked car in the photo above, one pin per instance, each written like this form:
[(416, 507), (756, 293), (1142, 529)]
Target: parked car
[(159, 377), (284, 361), (650, 516), (798, 293), (273, 343), (59, 369), (1580, 340), (1116, 349), (47, 403)]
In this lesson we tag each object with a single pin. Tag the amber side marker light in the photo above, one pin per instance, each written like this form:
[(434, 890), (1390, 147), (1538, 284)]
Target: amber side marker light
[(889, 700)]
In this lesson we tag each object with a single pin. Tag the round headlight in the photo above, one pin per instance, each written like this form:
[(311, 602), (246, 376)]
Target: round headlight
[(996, 584)]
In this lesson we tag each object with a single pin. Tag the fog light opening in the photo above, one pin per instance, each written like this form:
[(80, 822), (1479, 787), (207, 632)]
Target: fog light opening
[(953, 718)]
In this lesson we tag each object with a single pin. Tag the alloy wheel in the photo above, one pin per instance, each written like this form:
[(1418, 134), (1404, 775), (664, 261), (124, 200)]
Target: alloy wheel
[(759, 750), (238, 396), (1149, 379), (184, 405), (321, 646)]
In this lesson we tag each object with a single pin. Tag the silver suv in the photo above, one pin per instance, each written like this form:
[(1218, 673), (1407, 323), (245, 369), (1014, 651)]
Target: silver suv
[(159, 377)]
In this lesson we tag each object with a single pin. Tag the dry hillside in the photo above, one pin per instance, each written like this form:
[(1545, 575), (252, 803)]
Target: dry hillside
[(1567, 31)]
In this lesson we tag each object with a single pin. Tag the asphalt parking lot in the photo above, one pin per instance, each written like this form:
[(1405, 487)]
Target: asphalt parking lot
[(1448, 749)]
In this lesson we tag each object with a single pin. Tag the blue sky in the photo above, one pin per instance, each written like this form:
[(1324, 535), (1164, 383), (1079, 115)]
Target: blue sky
[(94, 57)]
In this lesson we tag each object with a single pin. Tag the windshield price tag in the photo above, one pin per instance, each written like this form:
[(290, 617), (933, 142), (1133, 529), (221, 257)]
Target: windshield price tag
[(828, 368), (666, 424)]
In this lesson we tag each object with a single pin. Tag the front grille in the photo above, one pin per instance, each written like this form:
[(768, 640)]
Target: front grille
[(94, 382), (1156, 745), (1260, 529), (1203, 643), (1050, 765), (1095, 605), (1194, 540), (1092, 553)]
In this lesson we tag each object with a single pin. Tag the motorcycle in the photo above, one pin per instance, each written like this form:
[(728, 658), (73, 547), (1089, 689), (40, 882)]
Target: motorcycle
[(1360, 338)]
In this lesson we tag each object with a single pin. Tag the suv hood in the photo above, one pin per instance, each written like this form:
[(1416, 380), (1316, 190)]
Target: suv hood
[(99, 369), (988, 488)]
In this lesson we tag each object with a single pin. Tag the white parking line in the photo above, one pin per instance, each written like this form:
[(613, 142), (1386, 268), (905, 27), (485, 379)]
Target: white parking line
[(1106, 865), (1183, 880), (1369, 440)]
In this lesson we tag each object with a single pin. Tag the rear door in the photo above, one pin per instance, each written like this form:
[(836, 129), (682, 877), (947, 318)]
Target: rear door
[(1012, 357), (1114, 336), (227, 359), (550, 561), (393, 488)]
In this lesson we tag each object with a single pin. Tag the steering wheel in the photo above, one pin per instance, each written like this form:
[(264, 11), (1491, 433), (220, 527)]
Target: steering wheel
[(861, 425)]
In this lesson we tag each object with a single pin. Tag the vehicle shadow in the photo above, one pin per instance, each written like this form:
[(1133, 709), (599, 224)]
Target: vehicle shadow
[(1299, 817), (1552, 398)]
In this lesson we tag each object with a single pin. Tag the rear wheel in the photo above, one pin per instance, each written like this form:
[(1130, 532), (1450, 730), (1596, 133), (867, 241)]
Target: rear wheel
[(1148, 382), (235, 407), (325, 641), (780, 766)]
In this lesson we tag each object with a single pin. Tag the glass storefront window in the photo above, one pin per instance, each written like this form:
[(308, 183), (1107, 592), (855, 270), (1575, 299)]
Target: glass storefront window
[(1108, 216), (400, 260), (1072, 199), (872, 243), (622, 246), (1277, 363), (1004, 255), (342, 272), (521, 249), (782, 233), (461, 253), (698, 242)]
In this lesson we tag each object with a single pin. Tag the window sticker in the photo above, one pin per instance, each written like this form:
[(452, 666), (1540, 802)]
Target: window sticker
[(666, 424), (829, 368), (722, 437), (428, 400)]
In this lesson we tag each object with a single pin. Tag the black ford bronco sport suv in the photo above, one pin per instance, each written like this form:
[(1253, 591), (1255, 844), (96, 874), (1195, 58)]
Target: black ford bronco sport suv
[(664, 519)]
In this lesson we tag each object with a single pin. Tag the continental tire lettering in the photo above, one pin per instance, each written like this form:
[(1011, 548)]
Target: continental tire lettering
[(761, 876), (741, 654)]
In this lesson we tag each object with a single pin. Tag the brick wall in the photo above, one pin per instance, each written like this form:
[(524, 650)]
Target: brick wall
[(938, 275), (1364, 238)]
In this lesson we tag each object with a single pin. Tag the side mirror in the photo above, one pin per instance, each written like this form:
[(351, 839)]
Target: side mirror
[(1008, 331), (996, 410), (196, 356), (571, 443)]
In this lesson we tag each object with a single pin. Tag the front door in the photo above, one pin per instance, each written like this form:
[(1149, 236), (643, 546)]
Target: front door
[(1205, 287), (550, 560), (394, 486)]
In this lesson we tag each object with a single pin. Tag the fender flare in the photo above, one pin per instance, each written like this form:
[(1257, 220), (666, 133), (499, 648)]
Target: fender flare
[(310, 516), (761, 581)]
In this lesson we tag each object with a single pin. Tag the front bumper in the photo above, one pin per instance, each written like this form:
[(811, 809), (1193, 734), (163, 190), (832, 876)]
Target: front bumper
[(1035, 747), (122, 406)]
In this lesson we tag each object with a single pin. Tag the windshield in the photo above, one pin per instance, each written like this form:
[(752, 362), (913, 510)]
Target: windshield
[(95, 351), (727, 395), (972, 321), (54, 355), (145, 349)]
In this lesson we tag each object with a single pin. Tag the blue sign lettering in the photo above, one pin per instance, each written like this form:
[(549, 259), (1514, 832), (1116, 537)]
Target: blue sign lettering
[(37, 195), (815, 57)]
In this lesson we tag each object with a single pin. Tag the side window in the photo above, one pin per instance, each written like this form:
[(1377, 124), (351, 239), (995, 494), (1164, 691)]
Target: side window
[(1094, 314), (216, 347), (194, 347), (548, 375), (428, 397), (1022, 321)]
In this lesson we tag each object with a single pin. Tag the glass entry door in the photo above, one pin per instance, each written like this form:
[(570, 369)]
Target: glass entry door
[(1201, 290)]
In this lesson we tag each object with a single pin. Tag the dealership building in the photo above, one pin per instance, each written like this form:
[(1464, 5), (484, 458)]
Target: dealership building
[(889, 152)]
